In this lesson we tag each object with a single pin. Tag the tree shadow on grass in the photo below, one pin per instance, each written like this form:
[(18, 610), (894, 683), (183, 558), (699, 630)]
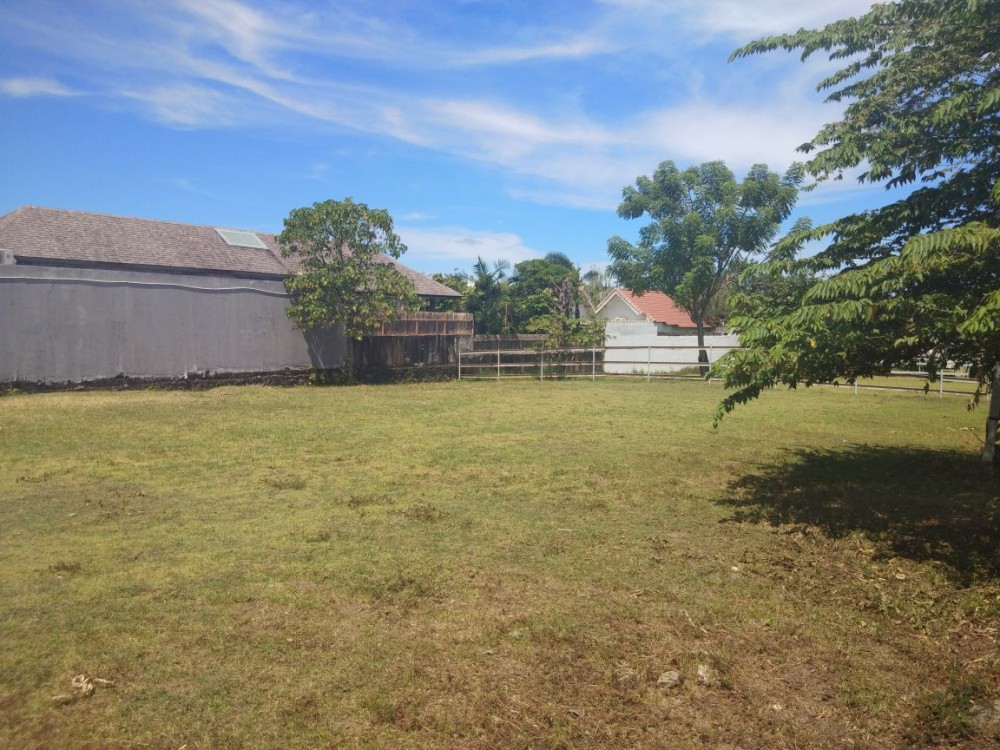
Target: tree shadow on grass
[(915, 503)]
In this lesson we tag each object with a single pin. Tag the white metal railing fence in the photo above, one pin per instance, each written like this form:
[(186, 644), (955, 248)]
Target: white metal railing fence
[(542, 364), (537, 364), (947, 379), (639, 349), (662, 360)]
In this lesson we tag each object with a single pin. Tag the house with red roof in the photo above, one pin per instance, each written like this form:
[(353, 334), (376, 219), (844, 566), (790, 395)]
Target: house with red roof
[(624, 306)]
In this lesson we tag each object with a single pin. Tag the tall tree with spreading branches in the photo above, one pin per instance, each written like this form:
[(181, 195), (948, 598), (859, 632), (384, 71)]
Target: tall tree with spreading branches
[(918, 279), (703, 227), (345, 274)]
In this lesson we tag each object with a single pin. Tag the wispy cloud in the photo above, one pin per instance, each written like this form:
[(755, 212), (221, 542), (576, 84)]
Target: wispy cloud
[(461, 246), (188, 186), (583, 46), (229, 63), (743, 19), (24, 87), (187, 105), (317, 171)]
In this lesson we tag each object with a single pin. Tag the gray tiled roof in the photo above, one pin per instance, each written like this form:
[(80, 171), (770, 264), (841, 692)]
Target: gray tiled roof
[(36, 234)]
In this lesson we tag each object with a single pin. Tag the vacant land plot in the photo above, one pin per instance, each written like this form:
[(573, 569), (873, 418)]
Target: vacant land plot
[(514, 564)]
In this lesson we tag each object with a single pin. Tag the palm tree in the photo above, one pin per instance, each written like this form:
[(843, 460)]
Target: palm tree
[(489, 301), (594, 287)]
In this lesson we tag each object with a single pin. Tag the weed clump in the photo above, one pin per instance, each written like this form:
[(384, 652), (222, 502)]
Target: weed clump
[(945, 715)]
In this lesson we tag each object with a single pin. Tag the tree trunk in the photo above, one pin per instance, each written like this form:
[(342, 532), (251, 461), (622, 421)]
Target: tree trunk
[(993, 419), (702, 354), (347, 363)]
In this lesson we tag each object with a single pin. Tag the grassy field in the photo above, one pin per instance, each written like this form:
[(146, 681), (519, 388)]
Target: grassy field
[(514, 564)]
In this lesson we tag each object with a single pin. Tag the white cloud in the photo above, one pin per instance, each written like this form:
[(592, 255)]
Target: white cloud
[(225, 63), (740, 135), (583, 46), (582, 164), (500, 134), (598, 199), (245, 32), (450, 246), (744, 19), (342, 31), (24, 87), (741, 18), (187, 105)]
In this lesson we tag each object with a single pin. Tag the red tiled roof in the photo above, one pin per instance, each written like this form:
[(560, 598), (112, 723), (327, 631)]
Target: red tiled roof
[(658, 307), (78, 238)]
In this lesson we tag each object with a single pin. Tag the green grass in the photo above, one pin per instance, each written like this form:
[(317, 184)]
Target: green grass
[(485, 564)]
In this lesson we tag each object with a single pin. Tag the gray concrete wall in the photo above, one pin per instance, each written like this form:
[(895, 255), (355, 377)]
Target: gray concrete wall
[(73, 325)]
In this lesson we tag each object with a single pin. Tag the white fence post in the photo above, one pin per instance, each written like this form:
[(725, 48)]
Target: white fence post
[(649, 363), (941, 384), (498, 364), (459, 364), (593, 364)]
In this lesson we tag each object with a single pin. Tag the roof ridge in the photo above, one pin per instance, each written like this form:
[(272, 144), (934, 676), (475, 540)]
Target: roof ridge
[(627, 296), (132, 218), (657, 306), (62, 235), (10, 215)]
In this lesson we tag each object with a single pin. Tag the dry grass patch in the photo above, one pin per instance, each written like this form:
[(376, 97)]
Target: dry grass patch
[(481, 565)]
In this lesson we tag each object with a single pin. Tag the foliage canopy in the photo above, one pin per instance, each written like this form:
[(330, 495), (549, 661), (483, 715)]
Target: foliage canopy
[(541, 287), (345, 275), (703, 226), (536, 289), (920, 277)]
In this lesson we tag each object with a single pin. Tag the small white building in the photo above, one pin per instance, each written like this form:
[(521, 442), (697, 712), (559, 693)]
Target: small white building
[(623, 306), (650, 334)]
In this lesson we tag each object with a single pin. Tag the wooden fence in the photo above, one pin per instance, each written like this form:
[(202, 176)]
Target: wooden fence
[(428, 324)]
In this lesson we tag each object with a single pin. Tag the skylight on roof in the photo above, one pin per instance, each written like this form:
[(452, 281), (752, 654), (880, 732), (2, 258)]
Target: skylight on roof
[(236, 238)]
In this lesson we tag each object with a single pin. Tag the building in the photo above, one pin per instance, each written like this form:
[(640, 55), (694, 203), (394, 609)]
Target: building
[(87, 296), (623, 306)]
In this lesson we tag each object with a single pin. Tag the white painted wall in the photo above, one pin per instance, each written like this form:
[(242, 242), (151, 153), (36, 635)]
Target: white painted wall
[(619, 309), (635, 348)]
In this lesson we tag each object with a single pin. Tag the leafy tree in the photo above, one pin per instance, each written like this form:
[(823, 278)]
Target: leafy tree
[(703, 226), (560, 259), (345, 271), (543, 286), (567, 292), (458, 280), (764, 290), (565, 332), (489, 298), (920, 277)]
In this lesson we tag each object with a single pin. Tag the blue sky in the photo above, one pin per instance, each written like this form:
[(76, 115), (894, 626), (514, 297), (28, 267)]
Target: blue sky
[(495, 128)]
